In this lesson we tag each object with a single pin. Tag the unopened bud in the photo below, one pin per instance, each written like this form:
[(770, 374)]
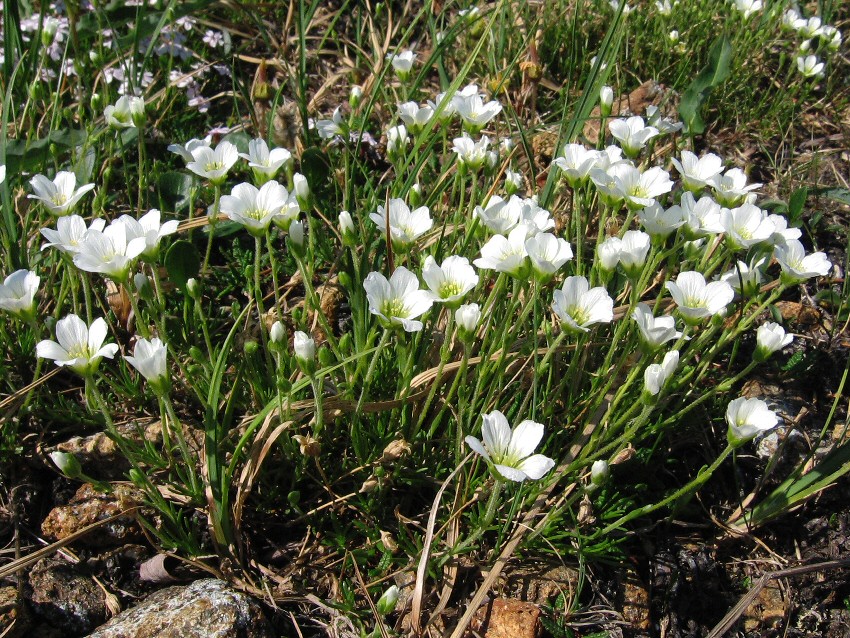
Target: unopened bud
[(606, 100), (67, 464), (387, 602)]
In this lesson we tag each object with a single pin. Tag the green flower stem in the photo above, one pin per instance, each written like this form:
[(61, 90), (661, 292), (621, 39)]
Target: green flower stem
[(84, 278), (483, 524), (697, 482), (316, 384), (456, 384), (141, 325), (720, 388), (258, 300), (142, 172), (445, 352), (202, 319), (273, 262), (175, 425), (213, 220), (317, 307), (371, 370)]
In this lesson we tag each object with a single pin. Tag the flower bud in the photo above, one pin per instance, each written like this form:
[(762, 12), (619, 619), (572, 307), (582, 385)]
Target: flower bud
[(606, 100), (346, 229), (67, 464), (387, 602), (296, 238), (355, 96), (770, 338), (415, 196), (250, 347), (278, 333), (143, 285), (599, 472), (467, 317), (48, 30), (302, 191), (137, 111), (513, 182), (193, 288), (305, 351)]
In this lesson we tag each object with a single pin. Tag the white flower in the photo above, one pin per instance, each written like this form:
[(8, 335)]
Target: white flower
[(263, 161), (633, 251), (17, 294), (397, 140), (402, 62), (213, 164), (414, 116), (632, 133), (654, 331), (149, 358), (547, 254), (747, 418), (731, 187), (657, 375), (2, 173), (59, 195), (698, 172), (474, 112), (747, 7), (185, 151), (511, 451), (499, 215), (505, 254), (770, 338), (301, 190), (608, 253), (697, 300), (149, 228), (538, 220), (406, 226), (745, 279), (328, 129), (513, 181), (469, 153), (79, 347), (347, 228), (702, 218), (127, 112), (810, 66), (665, 125), (304, 346), (746, 226), (641, 189), (663, 7), (399, 301), (576, 162), (811, 27), (578, 305), (793, 20), (450, 281), (70, 232), (109, 252), (659, 221), (781, 232), (797, 265), (467, 317), (606, 100), (256, 208)]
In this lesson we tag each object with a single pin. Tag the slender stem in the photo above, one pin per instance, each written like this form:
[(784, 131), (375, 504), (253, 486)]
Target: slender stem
[(213, 219), (371, 369)]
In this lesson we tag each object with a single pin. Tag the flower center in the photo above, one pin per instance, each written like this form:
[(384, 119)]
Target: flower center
[(450, 289), (394, 308)]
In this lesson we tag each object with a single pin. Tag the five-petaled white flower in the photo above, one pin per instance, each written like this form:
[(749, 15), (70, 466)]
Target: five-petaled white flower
[(149, 358), (109, 252), (474, 112), (149, 227), (59, 195), (415, 117), (450, 281), (632, 133), (810, 66), (770, 338), (576, 162), (213, 164), (697, 300), (702, 218), (185, 150), (731, 187), (654, 331), (70, 232), (797, 266), (747, 7), (79, 347), (633, 250), (656, 375), (746, 226), (127, 112), (698, 172), (659, 221), (256, 208), (747, 418), (405, 225), (469, 153), (397, 301), (328, 129), (506, 254), (17, 294), (511, 452), (744, 278), (578, 305), (264, 162), (402, 63), (547, 254)]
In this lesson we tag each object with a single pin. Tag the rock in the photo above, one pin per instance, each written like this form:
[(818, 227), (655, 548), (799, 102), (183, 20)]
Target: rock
[(768, 610), (205, 609), (635, 606), (100, 456), (65, 598), (539, 583), (89, 506), (506, 618)]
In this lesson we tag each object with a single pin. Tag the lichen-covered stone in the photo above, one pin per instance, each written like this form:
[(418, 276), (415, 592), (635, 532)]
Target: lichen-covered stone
[(65, 598), (205, 609), (90, 506)]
